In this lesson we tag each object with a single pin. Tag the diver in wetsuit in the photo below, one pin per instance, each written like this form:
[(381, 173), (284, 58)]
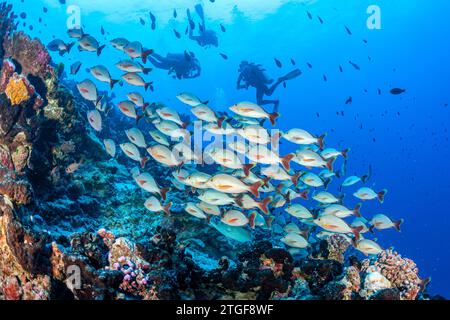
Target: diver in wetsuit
[(183, 66), (252, 75), (205, 38)]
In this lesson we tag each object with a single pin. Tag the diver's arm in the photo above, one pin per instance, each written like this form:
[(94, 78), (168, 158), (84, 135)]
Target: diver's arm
[(239, 83)]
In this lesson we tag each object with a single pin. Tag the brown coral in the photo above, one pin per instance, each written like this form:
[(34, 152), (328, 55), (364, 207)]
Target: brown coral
[(337, 246), (402, 273)]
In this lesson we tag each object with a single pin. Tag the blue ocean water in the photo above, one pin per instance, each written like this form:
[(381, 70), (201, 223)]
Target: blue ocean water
[(403, 137)]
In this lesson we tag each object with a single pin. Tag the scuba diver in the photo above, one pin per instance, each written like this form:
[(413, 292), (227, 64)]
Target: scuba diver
[(183, 66), (205, 38), (252, 75)]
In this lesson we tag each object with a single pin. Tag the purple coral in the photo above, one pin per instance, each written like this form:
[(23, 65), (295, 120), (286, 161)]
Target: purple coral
[(7, 24), (30, 54)]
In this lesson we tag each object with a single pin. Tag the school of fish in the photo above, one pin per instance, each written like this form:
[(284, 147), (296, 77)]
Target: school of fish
[(248, 184)]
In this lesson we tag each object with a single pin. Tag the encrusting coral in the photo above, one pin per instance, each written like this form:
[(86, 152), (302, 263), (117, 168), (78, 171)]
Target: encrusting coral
[(401, 273), (18, 89)]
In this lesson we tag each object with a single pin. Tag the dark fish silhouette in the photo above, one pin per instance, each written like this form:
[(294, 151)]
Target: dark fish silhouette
[(223, 28), (349, 100), (153, 19), (309, 15), (224, 56), (320, 20), (379, 92), (354, 65), (341, 69), (177, 34), (102, 31), (309, 65), (325, 78), (397, 91), (348, 30), (75, 67), (142, 21), (278, 63), (175, 13), (293, 62)]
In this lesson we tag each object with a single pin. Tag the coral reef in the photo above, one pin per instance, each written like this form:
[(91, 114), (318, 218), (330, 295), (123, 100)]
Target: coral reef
[(86, 235), (391, 270), (30, 54)]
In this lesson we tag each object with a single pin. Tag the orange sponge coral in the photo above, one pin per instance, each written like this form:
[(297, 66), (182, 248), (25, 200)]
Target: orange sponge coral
[(18, 90)]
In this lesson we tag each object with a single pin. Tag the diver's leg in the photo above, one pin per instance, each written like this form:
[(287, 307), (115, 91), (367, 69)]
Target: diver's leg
[(262, 102), (270, 90), (201, 14), (275, 104), (157, 63)]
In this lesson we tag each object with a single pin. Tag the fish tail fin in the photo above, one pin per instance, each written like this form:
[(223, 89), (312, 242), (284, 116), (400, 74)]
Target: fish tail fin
[(266, 181), (113, 83), (424, 283), (398, 223), (145, 54), (167, 207), (251, 220), (286, 161), (263, 205), (295, 178), (326, 183), (371, 228), (143, 162), (287, 197), (163, 192), (345, 153), (254, 188), (100, 49), (357, 210), (305, 233), (381, 195), (184, 125), (138, 118), (304, 194), (330, 164), (247, 168), (269, 221), (69, 46), (321, 141), (273, 117), (357, 232), (147, 70), (148, 85), (145, 106), (341, 198), (220, 121), (205, 102), (238, 201)]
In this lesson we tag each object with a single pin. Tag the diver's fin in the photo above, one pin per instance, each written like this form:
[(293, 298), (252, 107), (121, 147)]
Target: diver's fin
[(291, 75), (200, 12)]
